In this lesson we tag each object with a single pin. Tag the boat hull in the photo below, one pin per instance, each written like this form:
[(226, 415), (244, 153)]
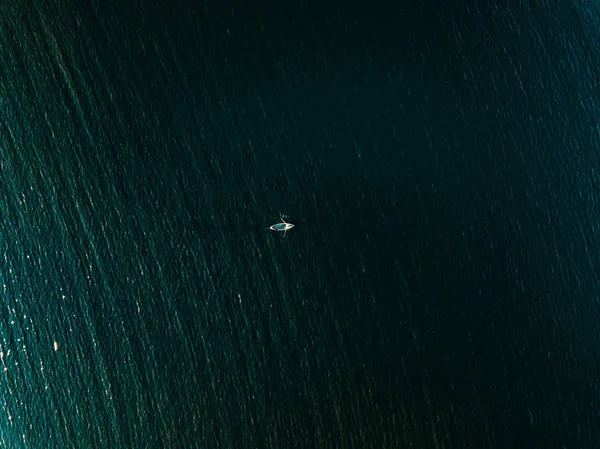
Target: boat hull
[(281, 227)]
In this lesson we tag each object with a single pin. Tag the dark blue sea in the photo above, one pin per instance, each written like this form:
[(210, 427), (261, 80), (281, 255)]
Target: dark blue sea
[(440, 162)]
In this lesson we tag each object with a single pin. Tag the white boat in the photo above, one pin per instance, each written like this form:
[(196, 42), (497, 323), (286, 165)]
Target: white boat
[(283, 226)]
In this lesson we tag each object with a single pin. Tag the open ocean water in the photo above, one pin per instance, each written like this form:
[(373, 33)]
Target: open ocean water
[(440, 288)]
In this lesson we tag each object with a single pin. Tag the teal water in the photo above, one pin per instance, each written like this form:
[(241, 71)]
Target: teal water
[(439, 288)]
